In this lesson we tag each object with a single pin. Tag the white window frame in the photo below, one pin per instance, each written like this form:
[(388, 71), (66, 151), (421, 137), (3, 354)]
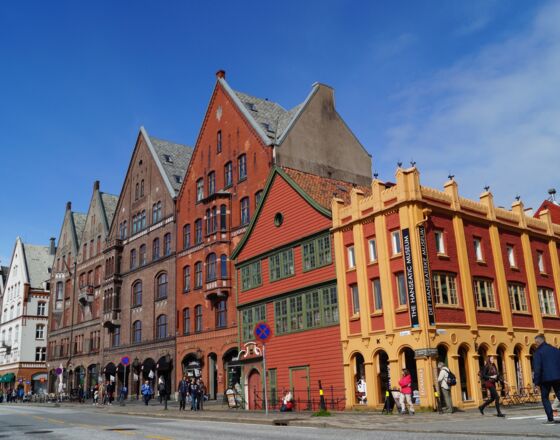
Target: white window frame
[(547, 301), (377, 295), (355, 299), (540, 262), (518, 297), (402, 292), (440, 242), (488, 292), (448, 281), (396, 245), (478, 249), (372, 246), (511, 256), (351, 257)]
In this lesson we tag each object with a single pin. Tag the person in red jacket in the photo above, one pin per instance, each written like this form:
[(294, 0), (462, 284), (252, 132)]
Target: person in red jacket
[(406, 392)]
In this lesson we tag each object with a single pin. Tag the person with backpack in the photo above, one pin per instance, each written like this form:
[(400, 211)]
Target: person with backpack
[(446, 380), (546, 368), (194, 392), (491, 376), (183, 390), (146, 392)]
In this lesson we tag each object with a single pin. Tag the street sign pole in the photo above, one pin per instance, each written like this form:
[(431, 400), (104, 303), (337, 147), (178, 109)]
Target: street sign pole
[(265, 380)]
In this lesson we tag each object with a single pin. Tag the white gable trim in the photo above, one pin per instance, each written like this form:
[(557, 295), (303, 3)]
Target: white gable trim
[(158, 163)]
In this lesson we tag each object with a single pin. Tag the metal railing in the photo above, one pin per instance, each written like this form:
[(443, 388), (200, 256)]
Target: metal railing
[(303, 399)]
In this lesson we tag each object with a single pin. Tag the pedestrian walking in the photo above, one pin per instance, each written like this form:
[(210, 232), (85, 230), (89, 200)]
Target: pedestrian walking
[(146, 392), (194, 391), (202, 392), (406, 392), (546, 367), (444, 380), (491, 377), (183, 390)]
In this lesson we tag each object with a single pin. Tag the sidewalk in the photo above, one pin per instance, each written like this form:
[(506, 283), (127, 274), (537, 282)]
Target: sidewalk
[(367, 420)]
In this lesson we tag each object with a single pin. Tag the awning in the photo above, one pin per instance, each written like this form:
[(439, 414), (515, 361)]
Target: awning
[(7, 378)]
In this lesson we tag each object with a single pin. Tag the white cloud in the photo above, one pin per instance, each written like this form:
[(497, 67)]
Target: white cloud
[(492, 118)]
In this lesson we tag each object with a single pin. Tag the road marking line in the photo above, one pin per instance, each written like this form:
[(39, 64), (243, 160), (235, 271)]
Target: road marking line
[(60, 422), (38, 417), (159, 437), (527, 417)]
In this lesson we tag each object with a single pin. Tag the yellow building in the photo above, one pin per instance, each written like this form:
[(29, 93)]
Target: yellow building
[(426, 275)]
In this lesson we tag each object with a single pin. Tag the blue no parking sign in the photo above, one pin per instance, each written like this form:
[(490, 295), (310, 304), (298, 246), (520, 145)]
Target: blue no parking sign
[(262, 331)]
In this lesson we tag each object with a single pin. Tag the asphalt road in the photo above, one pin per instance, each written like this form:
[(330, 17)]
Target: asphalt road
[(28, 422)]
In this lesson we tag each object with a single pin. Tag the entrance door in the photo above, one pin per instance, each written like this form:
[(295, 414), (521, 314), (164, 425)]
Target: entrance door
[(299, 383), (255, 389)]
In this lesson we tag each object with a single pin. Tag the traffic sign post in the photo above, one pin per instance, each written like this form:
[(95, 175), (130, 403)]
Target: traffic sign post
[(125, 360), (263, 333)]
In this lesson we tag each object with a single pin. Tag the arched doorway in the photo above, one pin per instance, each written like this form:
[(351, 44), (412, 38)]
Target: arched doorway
[(255, 389), (79, 377), (231, 370), (164, 368), (531, 353), (463, 360), (442, 354), (383, 381), (212, 375), (408, 361), (501, 362), (360, 391), (109, 372), (518, 367), (191, 366), (92, 378), (482, 355), (53, 378), (148, 370), (39, 383)]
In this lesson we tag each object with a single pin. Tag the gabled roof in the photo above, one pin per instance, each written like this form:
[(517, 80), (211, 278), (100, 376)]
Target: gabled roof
[(38, 260), (171, 159), (553, 208), (109, 206), (79, 220), (316, 190), (270, 120)]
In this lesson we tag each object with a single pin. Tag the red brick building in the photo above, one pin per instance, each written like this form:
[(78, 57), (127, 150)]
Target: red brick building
[(286, 277), (241, 138)]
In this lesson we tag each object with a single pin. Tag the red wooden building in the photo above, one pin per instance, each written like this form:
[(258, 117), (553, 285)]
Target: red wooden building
[(286, 277)]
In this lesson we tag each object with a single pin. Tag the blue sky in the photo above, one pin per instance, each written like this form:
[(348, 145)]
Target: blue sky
[(467, 87)]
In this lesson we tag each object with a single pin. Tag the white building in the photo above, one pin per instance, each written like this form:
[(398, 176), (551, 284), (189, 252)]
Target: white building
[(24, 317)]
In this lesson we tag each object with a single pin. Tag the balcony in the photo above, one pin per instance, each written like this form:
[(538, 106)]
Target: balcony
[(217, 289), (112, 318), (86, 295), (5, 345), (58, 307)]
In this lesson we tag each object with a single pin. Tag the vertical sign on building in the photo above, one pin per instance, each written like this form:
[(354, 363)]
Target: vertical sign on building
[(427, 278), (409, 275)]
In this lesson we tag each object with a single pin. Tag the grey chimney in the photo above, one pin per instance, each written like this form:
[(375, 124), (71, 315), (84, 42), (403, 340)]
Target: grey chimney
[(52, 249)]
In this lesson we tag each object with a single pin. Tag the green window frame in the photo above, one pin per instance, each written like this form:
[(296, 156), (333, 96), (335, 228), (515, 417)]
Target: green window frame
[(311, 309), (281, 265), (317, 252), (251, 276), (273, 381), (249, 318)]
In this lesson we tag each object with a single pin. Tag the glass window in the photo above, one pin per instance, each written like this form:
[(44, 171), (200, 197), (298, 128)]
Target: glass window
[(155, 249), (223, 219), (219, 141), (401, 289), (161, 286), (186, 321), (396, 242), (137, 332), (137, 294), (143, 220), (251, 276), (186, 236), (281, 264), (198, 318), (258, 198), (242, 167), (511, 256), (372, 250), (167, 244), (445, 289), (156, 212), (198, 231), (198, 275), (208, 219), (116, 337), (546, 301), (377, 297), (211, 267), (249, 318), (221, 313), (39, 331), (40, 354), (133, 262), (41, 308), (186, 278), (223, 266), (540, 262), (478, 249), (228, 175), (355, 299), (484, 292), (199, 189), (351, 257), (517, 297), (245, 216), (317, 252), (161, 327), (440, 245), (211, 183), (143, 256)]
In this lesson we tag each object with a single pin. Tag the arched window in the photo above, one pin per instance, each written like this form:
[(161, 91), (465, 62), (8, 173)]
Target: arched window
[(219, 141), (198, 231), (137, 294), (161, 292), (245, 216), (221, 313), (136, 191), (199, 189), (167, 244), (211, 267), (223, 266), (161, 327), (137, 332), (228, 175), (214, 217), (208, 222), (186, 278), (242, 167), (155, 249), (211, 183), (133, 258), (198, 275), (186, 236), (186, 321), (198, 318), (142, 188), (143, 257)]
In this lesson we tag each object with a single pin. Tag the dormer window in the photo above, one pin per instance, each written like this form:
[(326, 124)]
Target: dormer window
[(168, 158), (178, 178), (251, 106)]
